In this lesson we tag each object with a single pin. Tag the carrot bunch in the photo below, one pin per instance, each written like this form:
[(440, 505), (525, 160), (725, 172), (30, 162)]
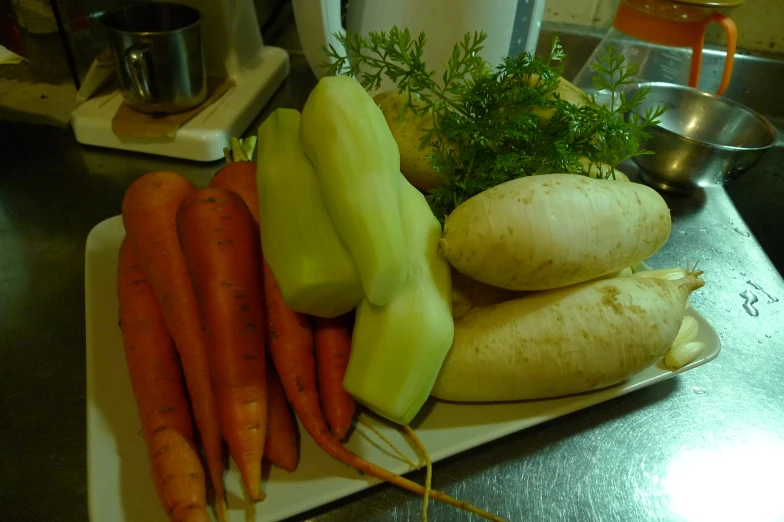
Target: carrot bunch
[(149, 212), (200, 252), (192, 276)]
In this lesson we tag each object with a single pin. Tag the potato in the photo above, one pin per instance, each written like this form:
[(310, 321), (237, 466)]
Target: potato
[(414, 163), (554, 230), (559, 342), (567, 91), (576, 96)]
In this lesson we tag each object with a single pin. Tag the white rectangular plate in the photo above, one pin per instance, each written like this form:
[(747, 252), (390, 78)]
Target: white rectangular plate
[(119, 485)]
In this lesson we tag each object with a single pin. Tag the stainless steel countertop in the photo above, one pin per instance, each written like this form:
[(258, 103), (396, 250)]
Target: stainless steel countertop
[(705, 445)]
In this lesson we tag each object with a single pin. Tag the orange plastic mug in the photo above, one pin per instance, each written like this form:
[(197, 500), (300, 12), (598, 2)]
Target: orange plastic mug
[(677, 24)]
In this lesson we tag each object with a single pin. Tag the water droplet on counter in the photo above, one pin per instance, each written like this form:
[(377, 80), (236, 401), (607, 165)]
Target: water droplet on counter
[(698, 390), (703, 230), (744, 233), (750, 300), (771, 299)]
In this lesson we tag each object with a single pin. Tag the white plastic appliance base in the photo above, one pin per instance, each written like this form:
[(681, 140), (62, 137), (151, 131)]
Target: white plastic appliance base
[(202, 138)]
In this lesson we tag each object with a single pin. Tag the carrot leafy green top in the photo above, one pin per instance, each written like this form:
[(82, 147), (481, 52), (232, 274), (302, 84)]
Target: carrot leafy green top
[(487, 126)]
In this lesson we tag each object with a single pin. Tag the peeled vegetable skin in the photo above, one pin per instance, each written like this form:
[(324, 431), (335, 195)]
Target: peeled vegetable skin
[(357, 163), (554, 230), (311, 265), (397, 349), (559, 342)]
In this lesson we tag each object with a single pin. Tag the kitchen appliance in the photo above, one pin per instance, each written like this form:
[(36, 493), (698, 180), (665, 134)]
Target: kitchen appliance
[(701, 140), (511, 26), (665, 38), (158, 56), (233, 51)]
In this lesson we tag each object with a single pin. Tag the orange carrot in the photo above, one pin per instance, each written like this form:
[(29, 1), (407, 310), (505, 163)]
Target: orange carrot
[(157, 382), (149, 211), (333, 346), (219, 241), (291, 348), (281, 447), (240, 177)]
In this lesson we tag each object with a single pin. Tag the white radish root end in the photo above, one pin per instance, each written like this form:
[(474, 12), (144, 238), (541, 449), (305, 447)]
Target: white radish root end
[(679, 356)]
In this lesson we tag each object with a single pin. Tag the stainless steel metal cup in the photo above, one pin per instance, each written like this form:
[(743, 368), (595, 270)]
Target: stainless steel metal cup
[(158, 55)]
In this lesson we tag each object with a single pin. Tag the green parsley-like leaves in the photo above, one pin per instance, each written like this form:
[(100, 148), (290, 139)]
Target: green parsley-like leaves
[(489, 126)]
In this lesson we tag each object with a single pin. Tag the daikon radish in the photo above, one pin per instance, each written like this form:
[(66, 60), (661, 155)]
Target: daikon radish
[(624, 272), (673, 274), (679, 356), (564, 341), (687, 331), (684, 350), (469, 294), (554, 230)]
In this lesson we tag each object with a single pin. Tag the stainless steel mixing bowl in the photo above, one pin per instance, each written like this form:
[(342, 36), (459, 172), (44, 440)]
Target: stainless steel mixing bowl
[(702, 139)]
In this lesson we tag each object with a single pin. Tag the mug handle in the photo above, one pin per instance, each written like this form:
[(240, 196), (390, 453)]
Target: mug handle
[(696, 58), (139, 72)]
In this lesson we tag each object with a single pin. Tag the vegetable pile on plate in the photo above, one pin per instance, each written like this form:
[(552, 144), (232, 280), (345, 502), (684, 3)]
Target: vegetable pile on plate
[(320, 276)]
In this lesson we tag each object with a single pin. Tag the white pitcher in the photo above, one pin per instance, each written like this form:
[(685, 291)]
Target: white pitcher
[(512, 26)]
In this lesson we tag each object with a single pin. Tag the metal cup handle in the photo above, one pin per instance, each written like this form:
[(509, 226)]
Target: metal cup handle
[(139, 72)]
